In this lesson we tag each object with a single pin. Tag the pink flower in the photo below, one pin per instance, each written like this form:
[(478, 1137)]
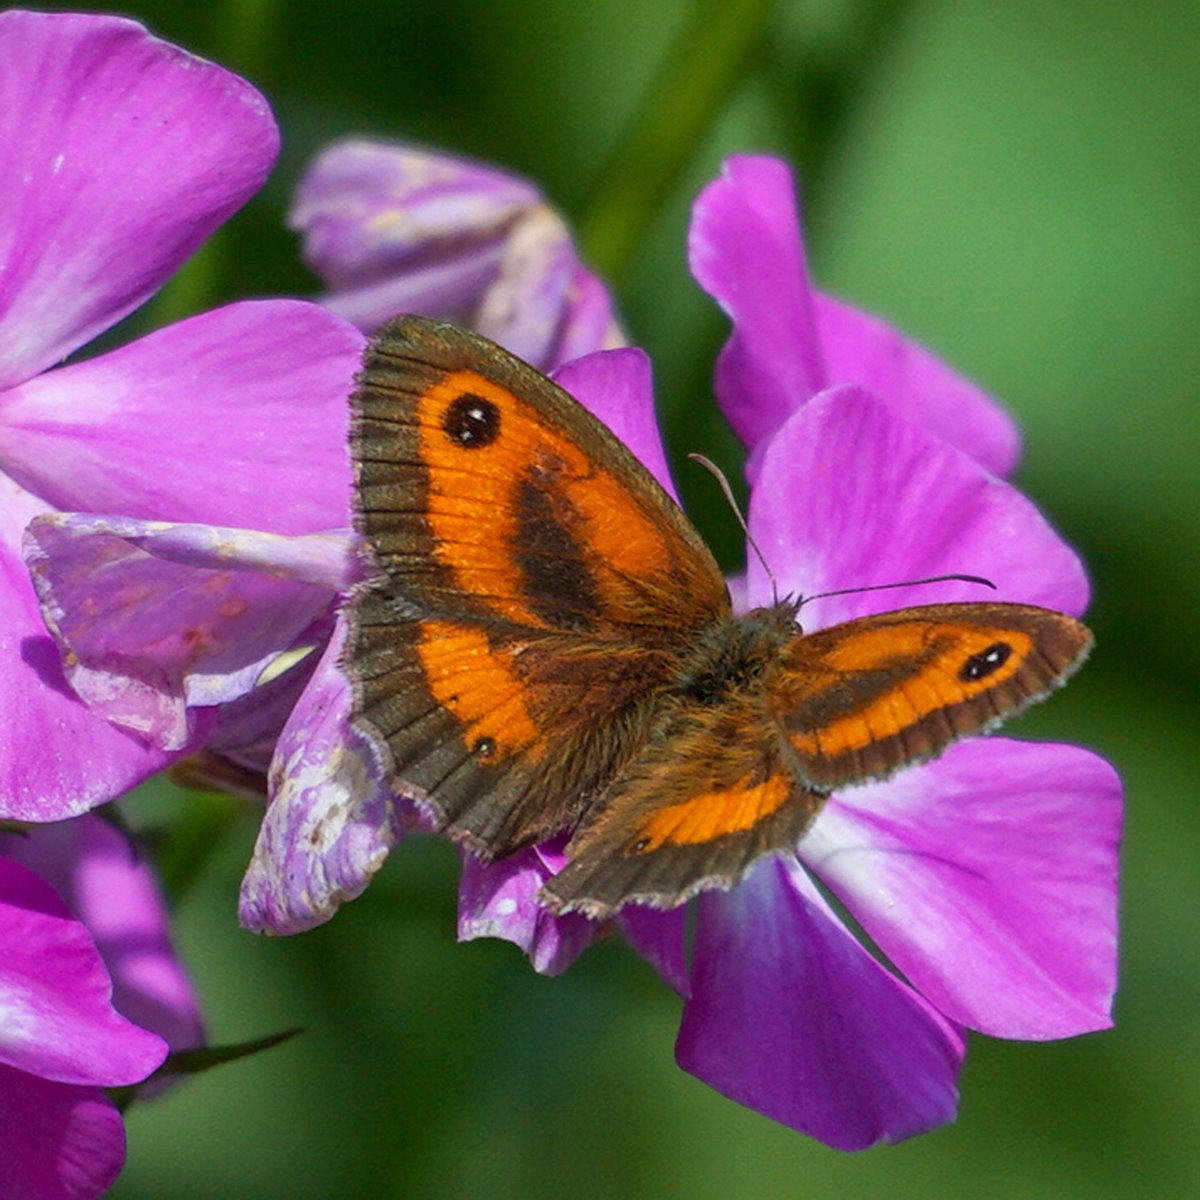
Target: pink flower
[(121, 154), (82, 961)]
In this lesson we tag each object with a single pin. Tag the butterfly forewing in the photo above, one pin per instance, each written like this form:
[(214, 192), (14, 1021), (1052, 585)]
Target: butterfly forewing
[(861, 699), (532, 582)]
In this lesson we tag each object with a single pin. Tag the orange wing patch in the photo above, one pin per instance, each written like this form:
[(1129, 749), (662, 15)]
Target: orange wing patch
[(510, 497), (479, 687), (938, 684), (711, 815)]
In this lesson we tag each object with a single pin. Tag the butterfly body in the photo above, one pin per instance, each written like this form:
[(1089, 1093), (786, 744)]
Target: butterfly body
[(547, 645)]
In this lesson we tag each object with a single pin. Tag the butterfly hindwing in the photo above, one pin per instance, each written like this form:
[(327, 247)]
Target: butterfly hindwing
[(713, 789), (860, 699)]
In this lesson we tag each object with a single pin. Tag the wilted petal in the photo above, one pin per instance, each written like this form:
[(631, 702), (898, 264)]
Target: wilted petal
[(331, 821), (122, 154), (112, 889), (370, 208), (45, 727), (616, 387), (990, 879), (499, 899), (147, 639), (57, 1141), (56, 1013), (851, 494), (860, 348), (744, 249), (790, 1016), (235, 417), (523, 306)]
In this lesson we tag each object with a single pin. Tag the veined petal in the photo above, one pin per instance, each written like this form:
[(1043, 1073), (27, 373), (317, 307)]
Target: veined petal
[(989, 878), (56, 1014), (851, 494), (112, 889), (367, 209), (331, 821), (122, 154), (522, 308), (148, 639), (44, 726), (57, 1141), (790, 1016), (745, 250), (615, 386), (499, 899), (235, 417), (863, 349)]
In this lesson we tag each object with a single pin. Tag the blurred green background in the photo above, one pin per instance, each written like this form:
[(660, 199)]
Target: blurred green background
[(1014, 183)]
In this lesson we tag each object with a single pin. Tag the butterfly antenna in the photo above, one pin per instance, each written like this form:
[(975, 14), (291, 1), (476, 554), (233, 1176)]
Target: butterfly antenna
[(719, 475), (880, 587)]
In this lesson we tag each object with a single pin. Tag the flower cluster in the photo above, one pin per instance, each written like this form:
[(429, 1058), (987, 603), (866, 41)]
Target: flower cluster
[(184, 508)]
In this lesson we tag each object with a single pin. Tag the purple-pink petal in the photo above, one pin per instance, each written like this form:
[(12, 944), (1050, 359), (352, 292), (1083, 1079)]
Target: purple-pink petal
[(660, 937), (989, 878), (789, 342), (790, 1016), (122, 154), (331, 821), (56, 1014), (57, 1141), (43, 724), (499, 899), (156, 620), (236, 417), (744, 249), (616, 387), (851, 494), (589, 322), (863, 349), (105, 882)]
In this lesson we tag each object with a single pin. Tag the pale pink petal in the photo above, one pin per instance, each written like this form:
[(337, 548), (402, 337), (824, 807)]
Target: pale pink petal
[(122, 154), (790, 1016), (990, 879), (236, 417)]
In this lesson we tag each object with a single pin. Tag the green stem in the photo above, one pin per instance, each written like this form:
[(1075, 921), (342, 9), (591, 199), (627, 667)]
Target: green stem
[(707, 60)]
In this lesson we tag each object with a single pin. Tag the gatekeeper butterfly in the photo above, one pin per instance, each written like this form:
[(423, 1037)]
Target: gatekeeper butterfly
[(547, 645)]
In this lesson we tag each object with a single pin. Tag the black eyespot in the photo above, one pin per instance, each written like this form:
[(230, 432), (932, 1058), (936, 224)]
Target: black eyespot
[(484, 747), (642, 844), (981, 665), (471, 422)]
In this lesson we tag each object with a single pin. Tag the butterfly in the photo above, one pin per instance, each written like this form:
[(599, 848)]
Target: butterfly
[(546, 646)]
